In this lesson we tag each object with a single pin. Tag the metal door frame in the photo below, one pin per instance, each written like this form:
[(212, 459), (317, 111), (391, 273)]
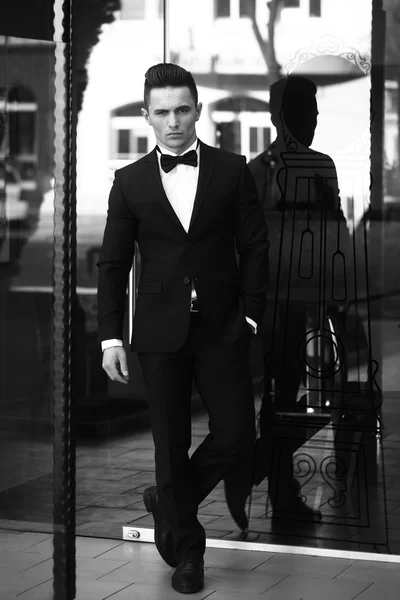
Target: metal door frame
[(64, 296)]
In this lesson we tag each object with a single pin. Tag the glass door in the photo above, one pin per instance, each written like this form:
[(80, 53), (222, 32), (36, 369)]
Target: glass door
[(37, 436), (335, 444)]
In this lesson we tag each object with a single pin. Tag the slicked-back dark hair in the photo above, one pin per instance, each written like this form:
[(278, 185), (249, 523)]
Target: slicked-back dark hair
[(168, 75)]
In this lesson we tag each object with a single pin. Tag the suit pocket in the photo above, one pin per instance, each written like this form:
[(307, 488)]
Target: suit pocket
[(150, 287)]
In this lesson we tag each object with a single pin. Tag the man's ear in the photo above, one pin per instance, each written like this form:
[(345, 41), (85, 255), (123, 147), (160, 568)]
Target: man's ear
[(198, 110), (145, 114)]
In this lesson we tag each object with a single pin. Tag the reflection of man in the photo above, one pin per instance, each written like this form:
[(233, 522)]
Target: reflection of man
[(299, 193), (188, 206)]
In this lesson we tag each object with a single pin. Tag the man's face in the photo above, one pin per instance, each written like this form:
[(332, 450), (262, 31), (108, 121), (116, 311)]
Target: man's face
[(172, 113)]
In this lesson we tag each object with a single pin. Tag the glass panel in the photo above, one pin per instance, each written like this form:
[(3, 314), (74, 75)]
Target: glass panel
[(266, 137), (26, 263), (142, 145), (111, 416), (315, 8), (327, 429), (222, 8), (246, 8), (253, 139), (320, 402), (124, 146)]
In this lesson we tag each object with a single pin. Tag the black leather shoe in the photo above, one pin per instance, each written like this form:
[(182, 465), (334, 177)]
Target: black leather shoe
[(189, 575), (162, 538)]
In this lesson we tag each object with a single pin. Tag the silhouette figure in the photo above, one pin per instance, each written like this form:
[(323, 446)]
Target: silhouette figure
[(310, 285)]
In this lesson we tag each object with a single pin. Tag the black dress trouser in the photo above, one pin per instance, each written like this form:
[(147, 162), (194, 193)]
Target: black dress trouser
[(223, 379)]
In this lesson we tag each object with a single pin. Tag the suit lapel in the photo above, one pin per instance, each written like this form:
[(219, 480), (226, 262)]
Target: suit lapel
[(207, 161)]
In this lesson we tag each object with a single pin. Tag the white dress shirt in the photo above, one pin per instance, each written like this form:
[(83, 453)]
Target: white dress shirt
[(180, 186)]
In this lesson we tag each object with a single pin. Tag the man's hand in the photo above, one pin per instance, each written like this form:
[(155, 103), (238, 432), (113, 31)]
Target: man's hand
[(115, 364)]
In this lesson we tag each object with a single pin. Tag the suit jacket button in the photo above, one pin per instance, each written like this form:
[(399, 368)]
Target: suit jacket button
[(186, 280)]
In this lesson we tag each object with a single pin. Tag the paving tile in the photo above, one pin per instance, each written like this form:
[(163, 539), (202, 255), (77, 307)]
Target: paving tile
[(211, 533), (85, 547), (381, 590), (138, 440), (40, 592), (94, 568), (305, 587), (164, 591), (17, 562), (24, 526), (294, 564), (373, 571), (265, 538), (96, 461), (137, 453), (115, 501), (110, 530), (243, 581), (221, 509), (44, 548), (139, 478), (134, 552), (113, 487), (226, 524), (11, 582), (95, 590), (134, 572), (124, 516), (19, 541), (235, 536), (93, 548), (240, 560), (207, 519), (107, 474), (140, 488), (146, 521), (230, 595), (86, 590)]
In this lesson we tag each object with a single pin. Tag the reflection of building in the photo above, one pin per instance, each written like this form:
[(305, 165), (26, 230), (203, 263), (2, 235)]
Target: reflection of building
[(27, 141), (24, 97), (224, 47)]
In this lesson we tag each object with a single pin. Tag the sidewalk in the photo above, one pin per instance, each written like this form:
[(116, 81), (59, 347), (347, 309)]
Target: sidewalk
[(135, 571)]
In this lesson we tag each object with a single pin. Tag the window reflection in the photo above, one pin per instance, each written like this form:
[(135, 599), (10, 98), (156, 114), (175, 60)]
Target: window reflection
[(26, 171), (233, 81)]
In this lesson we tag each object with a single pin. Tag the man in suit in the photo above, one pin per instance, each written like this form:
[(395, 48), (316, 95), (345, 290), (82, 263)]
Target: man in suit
[(194, 212)]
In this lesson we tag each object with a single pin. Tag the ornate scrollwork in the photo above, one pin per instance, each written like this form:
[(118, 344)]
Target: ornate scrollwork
[(334, 472), (304, 469), (328, 46)]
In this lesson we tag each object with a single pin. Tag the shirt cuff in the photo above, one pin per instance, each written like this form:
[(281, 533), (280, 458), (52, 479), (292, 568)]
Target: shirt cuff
[(111, 344), (252, 323)]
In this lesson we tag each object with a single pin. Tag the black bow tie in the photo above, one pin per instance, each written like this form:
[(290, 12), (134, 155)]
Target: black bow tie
[(169, 161)]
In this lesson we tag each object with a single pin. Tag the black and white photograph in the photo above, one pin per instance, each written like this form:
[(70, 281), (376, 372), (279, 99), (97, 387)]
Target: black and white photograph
[(200, 299)]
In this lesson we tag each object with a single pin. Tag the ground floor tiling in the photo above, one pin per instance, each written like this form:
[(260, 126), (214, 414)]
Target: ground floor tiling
[(134, 571)]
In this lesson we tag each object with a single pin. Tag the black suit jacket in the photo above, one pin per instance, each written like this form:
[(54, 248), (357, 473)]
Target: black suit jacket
[(225, 252)]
